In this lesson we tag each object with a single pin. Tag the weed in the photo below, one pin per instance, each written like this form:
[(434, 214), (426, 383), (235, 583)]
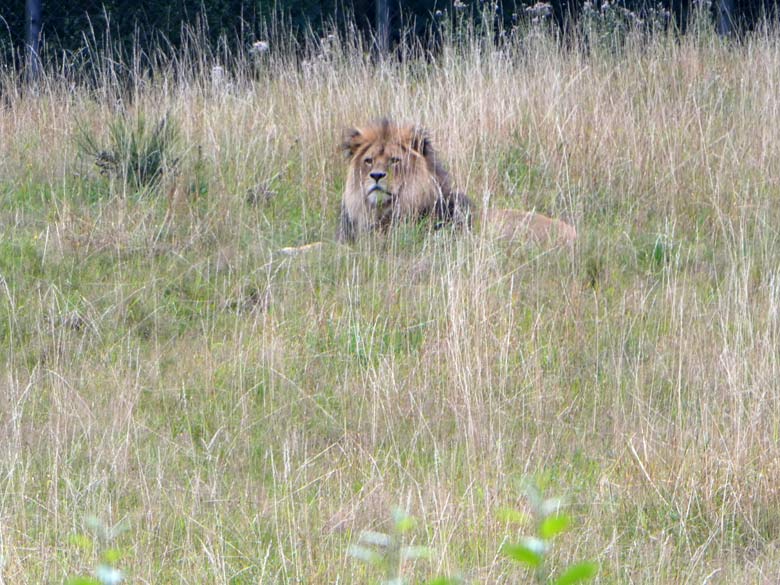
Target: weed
[(106, 571), (533, 551), (138, 153), (387, 552)]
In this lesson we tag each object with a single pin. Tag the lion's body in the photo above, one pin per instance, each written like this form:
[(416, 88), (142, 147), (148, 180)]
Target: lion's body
[(393, 176), (513, 225)]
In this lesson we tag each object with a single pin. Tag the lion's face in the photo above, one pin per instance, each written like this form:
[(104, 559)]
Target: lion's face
[(382, 168), (388, 168), (393, 176)]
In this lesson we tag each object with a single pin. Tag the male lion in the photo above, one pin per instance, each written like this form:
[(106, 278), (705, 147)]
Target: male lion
[(394, 175)]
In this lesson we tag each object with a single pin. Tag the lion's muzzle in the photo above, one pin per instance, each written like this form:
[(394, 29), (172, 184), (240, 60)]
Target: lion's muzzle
[(377, 196)]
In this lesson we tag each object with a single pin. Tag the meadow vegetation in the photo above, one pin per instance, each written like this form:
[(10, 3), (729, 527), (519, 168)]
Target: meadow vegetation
[(246, 414)]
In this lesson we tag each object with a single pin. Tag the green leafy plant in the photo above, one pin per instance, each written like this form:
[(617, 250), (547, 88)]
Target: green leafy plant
[(533, 551), (387, 552), (106, 571), (138, 152)]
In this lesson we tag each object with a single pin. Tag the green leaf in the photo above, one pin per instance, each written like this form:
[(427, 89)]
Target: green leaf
[(409, 553), (112, 556), (375, 538), (82, 581), (118, 528), (365, 554), (81, 541), (512, 516), (403, 521), (94, 524), (532, 493), (109, 575), (552, 526), (578, 573), (446, 581), (550, 507), (522, 553)]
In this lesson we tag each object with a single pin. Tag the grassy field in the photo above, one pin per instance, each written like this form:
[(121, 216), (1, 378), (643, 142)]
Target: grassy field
[(245, 414)]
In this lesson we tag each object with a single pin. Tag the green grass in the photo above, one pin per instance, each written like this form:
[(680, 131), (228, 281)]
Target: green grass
[(248, 414)]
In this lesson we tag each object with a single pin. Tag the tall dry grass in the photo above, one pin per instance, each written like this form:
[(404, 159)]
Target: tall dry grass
[(247, 414)]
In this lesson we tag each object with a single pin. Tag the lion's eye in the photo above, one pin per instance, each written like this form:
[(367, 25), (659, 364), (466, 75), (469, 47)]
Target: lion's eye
[(368, 161), (394, 160)]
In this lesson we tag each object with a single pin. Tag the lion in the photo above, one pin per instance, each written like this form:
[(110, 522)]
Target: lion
[(394, 175)]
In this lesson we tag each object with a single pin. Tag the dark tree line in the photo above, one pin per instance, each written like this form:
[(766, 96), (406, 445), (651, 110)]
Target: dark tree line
[(40, 27)]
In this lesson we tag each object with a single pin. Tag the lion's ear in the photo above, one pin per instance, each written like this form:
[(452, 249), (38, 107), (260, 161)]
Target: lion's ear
[(421, 142), (353, 139)]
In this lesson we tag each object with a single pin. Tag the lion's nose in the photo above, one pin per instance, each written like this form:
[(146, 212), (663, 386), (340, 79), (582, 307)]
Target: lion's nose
[(377, 175)]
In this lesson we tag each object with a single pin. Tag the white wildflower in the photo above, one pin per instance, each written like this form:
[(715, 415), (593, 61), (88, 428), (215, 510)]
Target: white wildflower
[(259, 47)]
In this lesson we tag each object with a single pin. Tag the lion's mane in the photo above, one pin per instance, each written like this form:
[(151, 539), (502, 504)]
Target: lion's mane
[(393, 175)]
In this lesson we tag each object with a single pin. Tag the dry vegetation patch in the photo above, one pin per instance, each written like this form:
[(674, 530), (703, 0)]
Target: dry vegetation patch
[(248, 411)]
